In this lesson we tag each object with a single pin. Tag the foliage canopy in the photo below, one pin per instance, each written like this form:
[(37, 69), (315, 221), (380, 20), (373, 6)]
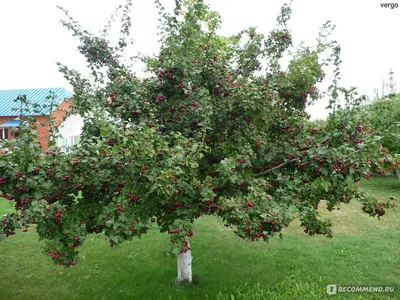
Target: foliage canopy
[(219, 128)]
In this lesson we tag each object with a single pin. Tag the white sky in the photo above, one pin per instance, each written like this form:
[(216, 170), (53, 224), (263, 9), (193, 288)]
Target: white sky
[(32, 39)]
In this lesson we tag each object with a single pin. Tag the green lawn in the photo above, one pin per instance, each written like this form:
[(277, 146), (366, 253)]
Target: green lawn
[(364, 252)]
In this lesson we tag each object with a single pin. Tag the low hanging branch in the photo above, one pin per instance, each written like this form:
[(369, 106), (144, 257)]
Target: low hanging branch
[(276, 167)]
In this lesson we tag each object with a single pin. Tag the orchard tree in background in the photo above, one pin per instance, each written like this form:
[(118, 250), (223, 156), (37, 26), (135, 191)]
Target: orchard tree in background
[(220, 128)]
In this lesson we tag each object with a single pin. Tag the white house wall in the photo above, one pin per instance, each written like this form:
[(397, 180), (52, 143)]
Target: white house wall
[(72, 126)]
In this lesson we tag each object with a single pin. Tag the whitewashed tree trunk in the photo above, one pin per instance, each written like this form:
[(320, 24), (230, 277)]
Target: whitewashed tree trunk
[(398, 174), (185, 266)]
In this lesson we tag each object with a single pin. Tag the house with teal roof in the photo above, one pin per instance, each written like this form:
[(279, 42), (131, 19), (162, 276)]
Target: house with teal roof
[(13, 112)]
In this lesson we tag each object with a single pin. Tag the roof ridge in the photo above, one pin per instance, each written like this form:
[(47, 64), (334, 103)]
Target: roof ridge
[(43, 88)]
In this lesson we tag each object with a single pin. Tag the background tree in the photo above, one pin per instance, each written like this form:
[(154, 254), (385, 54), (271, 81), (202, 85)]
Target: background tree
[(384, 115), (220, 128)]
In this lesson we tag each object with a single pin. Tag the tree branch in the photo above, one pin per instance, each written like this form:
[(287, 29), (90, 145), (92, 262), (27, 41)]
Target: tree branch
[(274, 168)]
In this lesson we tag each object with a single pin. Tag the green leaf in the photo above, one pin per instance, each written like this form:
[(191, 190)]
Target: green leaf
[(351, 170), (115, 149), (104, 132)]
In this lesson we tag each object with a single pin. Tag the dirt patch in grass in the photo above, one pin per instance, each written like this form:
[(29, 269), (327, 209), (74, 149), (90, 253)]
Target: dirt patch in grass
[(345, 218)]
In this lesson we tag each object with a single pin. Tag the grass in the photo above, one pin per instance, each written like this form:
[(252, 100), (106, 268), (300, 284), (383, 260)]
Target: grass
[(363, 252)]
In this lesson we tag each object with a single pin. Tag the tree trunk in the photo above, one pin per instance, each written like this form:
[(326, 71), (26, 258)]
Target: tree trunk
[(398, 174), (185, 266)]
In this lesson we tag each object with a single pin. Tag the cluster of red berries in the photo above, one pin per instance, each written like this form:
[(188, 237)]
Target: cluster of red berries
[(304, 148), (304, 180), (119, 208), (301, 164), (21, 189), (176, 230), (143, 170), (250, 204), (65, 178), (284, 36), (186, 247), (8, 232), (326, 141), (2, 180), (211, 201), (51, 153), (217, 188), (111, 142), (160, 98), (120, 186), (181, 85), (133, 197), (57, 216), (259, 235), (77, 242), (358, 141), (78, 187), (379, 210), (367, 175), (20, 203), (54, 254), (8, 197), (380, 172), (65, 263), (291, 156), (207, 46)]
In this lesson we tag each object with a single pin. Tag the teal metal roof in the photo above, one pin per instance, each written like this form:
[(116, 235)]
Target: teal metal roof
[(38, 96)]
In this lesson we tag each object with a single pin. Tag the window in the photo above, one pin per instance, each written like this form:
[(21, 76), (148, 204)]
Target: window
[(66, 143), (4, 133)]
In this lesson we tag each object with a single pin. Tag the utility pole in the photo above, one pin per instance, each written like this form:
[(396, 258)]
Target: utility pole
[(391, 82), (376, 94)]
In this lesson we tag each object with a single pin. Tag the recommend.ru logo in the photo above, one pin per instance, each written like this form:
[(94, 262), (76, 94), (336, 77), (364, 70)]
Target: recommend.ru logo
[(333, 289)]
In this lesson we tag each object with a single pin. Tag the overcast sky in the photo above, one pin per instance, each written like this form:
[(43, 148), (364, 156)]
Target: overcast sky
[(32, 39)]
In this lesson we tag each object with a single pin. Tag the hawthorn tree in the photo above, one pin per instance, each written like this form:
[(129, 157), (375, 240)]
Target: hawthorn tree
[(220, 128)]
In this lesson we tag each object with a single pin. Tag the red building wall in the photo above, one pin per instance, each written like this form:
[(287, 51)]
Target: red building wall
[(43, 131)]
